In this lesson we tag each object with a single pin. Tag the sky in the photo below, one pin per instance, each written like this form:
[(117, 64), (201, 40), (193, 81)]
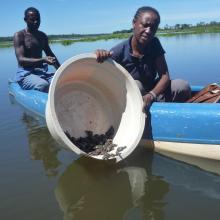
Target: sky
[(101, 16)]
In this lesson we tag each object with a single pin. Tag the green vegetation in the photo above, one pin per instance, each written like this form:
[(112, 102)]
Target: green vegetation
[(67, 42), (6, 42), (212, 27), (200, 28)]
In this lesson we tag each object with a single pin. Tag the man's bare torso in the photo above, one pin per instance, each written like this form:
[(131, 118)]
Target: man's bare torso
[(33, 44)]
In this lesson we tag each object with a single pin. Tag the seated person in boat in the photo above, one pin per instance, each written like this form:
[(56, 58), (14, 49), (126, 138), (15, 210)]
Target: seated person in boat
[(143, 57), (29, 44)]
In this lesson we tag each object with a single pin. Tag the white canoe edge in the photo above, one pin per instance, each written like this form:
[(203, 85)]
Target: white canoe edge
[(204, 156), (208, 151)]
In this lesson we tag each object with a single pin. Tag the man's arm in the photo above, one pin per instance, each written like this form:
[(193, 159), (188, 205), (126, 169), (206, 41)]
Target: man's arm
[(20, 53), (162, 69), (50, 54), (162, 84)]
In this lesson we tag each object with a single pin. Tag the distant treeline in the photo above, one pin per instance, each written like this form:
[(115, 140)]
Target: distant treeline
[(66, 39), (57, 36), (6, 39), (180, 27), (188, 26)]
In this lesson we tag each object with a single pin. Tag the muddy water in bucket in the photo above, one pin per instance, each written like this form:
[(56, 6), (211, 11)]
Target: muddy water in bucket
[(88, 96)]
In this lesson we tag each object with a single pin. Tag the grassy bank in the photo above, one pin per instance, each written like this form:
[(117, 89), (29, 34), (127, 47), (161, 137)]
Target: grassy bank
[(201, 29), (168, 31), (67, 42), (6, 44)]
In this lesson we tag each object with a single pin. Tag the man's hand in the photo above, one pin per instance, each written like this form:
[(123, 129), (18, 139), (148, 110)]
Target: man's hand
[(148, 100), (49, 60), (102, 55)]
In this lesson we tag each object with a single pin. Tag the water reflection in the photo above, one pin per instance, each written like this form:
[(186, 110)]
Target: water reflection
[(97, 190), (41, 145), (190, 178), (90, 189)]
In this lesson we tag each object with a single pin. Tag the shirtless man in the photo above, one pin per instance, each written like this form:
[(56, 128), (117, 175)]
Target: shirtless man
[(29, 44)]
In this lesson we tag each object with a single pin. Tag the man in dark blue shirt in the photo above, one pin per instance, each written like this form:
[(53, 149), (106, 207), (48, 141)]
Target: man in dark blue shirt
[(143, 57)]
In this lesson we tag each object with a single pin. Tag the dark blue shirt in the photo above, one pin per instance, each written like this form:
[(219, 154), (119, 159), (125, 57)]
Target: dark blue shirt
[(144, 68)]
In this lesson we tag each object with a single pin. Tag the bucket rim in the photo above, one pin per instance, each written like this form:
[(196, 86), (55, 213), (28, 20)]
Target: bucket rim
[(51, 103)]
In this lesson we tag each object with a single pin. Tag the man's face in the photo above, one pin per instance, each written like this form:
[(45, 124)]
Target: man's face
[(145, 27), (33, 20)]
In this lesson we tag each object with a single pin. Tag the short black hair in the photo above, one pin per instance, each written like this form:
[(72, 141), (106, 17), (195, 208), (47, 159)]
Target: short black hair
[(145, 9), (32, 9)]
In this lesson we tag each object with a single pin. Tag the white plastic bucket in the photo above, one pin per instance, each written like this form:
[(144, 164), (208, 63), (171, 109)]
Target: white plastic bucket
[(86, 95)]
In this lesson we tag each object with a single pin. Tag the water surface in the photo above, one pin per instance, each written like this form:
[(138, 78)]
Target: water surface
[(40, 181)]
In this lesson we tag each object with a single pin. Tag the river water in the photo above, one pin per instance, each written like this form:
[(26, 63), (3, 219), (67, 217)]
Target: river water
[(41, 181)]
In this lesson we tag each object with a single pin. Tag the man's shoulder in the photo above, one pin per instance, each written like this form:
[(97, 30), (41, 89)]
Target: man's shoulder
[(42, 34), (120, 46), (120, 50), (19, 33), (155, 47), (155, 40)]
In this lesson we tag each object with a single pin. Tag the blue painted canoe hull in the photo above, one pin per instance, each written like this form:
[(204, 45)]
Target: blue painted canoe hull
[(32, 100), (169, 122), (185, 122)]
